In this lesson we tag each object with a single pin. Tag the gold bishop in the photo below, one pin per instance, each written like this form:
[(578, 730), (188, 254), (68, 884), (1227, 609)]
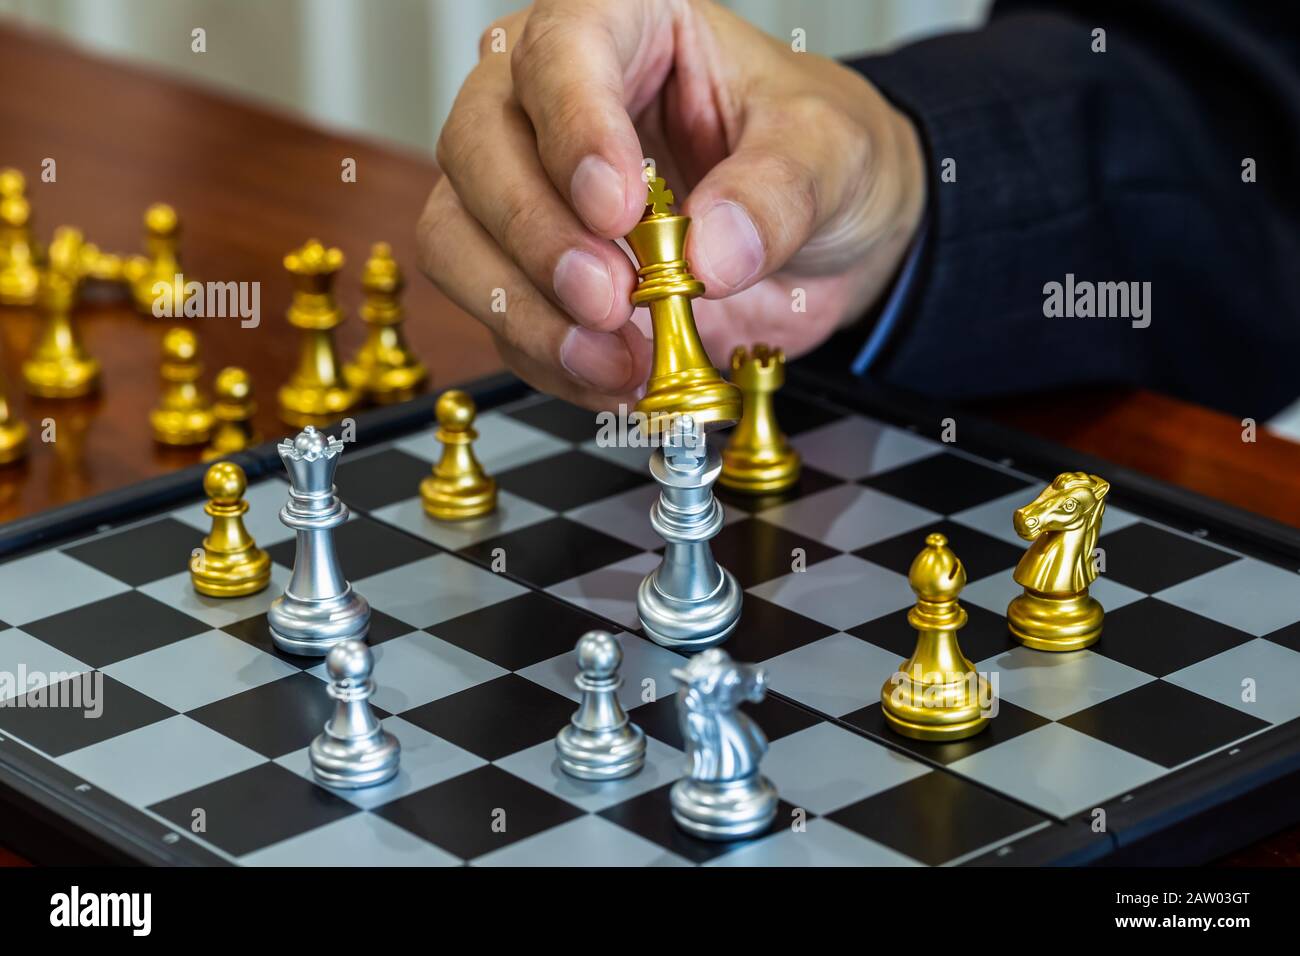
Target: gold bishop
[(385, 368), (936, 694)]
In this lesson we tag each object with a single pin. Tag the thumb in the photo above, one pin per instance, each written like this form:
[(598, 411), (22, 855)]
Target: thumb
[(790, 181)]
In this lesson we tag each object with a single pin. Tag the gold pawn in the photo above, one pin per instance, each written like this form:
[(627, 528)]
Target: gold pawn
[(682, 379), (230, 564), (758, 460), (458, 487), (160, 264), (59, 366), (233, 410), (316, 394), (384, 368), (936, 694), (13, 433), (1055, 612), (182, 415), (20, 254)]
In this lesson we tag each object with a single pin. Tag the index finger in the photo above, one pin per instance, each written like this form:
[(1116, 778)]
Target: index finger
[(568, 70)]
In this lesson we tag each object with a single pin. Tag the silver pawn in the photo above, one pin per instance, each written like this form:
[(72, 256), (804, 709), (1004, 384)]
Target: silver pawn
[(723, 796), (353, 750), (689, 601), (318, 608), (600, 743)]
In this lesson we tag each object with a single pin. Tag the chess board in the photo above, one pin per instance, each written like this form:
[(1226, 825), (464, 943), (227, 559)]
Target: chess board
[(1145, 747)]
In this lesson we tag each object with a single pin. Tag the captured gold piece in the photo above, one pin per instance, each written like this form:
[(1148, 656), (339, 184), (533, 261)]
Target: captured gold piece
[(682, 379), (385, 368), (161, 263), (20, 254), (1056, 613), (458, 487), (758, 459), (233, 410), (59, 366), (936, 694), (13, 433), (316, 393), (183, 415), (230, 564)]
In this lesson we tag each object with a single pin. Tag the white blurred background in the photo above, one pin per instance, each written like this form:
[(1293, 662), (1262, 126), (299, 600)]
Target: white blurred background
[(391, 68)]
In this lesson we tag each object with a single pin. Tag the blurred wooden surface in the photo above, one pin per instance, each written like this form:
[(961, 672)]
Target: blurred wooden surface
[(251, 184)]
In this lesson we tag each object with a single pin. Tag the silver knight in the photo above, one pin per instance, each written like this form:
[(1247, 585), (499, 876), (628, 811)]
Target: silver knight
[(723, 795)]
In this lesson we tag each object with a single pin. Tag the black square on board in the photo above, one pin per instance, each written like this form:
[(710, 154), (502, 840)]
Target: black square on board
[(1152, 559), (551, 551), (810, 482), (257, 632), (142, 554), (1288, 636), (650, 815), (985, 634), (459, 814), (558, 418), (496, 718), (1011, 721), (365, 547), (935, 818), (569, 479), (756, 551), (384, 478), (58, 730), (777, 718), (947, 483), (767, 630), (273, 719), (1159, 638), (111, 630), (796, 415), (980, 553), (1163, 723), (256, 808), (524, 630)]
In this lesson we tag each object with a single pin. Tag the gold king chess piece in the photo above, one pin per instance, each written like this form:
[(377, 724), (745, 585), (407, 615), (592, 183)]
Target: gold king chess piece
[(155, 278), (13, 433), (59, 366), (459, 488), (20, 254), (233, 411), (316, 393), (230, 563), (384, 369), (936, 694), (1055, 612), (182, 415), (682, 379), (758, 459)]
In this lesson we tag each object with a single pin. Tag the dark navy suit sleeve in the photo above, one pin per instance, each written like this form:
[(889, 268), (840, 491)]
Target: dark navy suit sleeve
[(1116, 166)]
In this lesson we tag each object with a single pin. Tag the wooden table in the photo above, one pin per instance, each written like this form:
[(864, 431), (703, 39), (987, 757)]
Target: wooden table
[(251, 185)]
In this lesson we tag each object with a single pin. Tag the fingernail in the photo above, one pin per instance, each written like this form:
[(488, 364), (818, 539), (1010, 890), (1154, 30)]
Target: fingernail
[(728, 245), (598, 358), (583, 284), (597, 191)]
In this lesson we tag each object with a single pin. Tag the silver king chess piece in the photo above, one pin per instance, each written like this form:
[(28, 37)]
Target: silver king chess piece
[(600, 743), (723, 795), (318, 608), (353, 750), (688, 601)]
